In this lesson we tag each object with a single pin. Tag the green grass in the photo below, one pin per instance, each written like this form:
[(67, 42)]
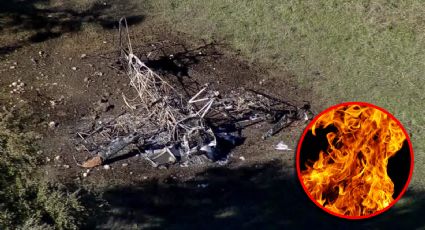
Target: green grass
[(369, 51), (27, 201)]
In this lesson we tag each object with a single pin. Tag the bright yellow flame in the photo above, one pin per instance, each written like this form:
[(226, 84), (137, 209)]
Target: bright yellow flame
[(351, 177)]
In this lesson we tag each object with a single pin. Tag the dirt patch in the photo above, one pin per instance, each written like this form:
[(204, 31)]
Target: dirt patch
[(65, 84)]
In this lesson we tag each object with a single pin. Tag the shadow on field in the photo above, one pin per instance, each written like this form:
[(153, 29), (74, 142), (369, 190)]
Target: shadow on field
[(176, 60), (44, 23), (253, 197)]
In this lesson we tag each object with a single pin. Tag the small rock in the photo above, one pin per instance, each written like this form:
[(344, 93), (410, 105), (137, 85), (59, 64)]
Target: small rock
[(241, 158), (66, 166), (74, 68), (52, 104), (282, 146), (106, 167), (48, 159), (41, 53), (14, 84), (131, 173), (52, 124), (86, 79), (98, 73), (85, 174), (57, 157), (12, 67), (145, 178), (124, 165), (83, 56), (202, 185)]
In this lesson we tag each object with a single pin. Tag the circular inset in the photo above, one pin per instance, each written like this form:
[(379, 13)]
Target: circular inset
[(354, 160)]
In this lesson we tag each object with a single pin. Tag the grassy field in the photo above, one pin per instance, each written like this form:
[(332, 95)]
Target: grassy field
[(341, 50)]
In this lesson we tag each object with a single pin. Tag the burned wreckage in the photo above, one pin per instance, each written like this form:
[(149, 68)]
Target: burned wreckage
[(166, 127)]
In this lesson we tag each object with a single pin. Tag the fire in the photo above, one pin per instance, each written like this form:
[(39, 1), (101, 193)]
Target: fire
[(351, 177)]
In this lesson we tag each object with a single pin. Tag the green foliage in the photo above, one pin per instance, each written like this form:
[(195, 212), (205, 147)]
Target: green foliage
[(26, 201)]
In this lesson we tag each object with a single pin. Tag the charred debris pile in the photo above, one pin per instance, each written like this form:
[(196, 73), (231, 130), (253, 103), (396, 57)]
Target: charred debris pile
[(166, 127)]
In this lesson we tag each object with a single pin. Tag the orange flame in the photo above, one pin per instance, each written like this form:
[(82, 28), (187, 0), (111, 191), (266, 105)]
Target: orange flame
[(351, 177)]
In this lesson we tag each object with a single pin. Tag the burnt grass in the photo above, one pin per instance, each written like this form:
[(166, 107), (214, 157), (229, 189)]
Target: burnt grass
[(259, 192)]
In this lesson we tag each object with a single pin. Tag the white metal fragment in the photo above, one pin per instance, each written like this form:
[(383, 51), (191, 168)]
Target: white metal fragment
[(305, 117), (282, 146)]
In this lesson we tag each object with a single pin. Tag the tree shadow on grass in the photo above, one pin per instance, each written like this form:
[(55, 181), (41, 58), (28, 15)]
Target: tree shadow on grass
[(261, 196), (44, 22)]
